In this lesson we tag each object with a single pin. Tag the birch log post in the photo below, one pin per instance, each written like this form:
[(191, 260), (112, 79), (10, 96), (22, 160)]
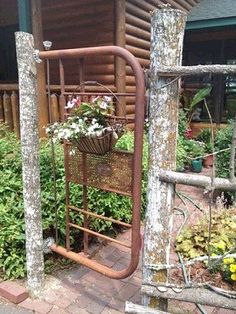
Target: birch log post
[(167, 30), (30, 161)]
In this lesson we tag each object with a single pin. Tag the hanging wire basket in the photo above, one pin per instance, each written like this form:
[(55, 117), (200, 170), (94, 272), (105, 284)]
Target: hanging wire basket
[(99, 145)]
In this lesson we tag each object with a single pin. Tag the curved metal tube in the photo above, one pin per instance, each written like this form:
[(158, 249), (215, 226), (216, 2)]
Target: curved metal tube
[(137, 162)]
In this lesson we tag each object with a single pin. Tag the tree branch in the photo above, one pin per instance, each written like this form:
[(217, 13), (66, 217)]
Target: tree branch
[(196, 180)]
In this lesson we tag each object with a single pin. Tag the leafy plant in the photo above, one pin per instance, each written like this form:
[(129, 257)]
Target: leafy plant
[(223, 140), (12, 235), (205, 137), (193, 241), (197, 98)]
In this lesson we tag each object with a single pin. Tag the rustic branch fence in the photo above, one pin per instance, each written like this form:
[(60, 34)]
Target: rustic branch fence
[(167, 28)]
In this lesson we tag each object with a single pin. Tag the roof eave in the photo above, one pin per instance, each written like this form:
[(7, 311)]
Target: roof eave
[(211, 23)]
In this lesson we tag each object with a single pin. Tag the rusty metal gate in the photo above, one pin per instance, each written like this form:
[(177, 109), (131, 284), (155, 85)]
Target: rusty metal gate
[(116, 171)]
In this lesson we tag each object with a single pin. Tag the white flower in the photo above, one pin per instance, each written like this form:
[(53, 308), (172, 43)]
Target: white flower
[(115, 135), (107, 98), (103, 105)]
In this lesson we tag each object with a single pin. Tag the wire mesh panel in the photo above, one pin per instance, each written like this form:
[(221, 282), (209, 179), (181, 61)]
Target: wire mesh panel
[(109, 172)]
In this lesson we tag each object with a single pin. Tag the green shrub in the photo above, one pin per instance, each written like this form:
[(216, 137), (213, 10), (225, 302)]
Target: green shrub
[(193, 240), (223, 140), (12, 236)]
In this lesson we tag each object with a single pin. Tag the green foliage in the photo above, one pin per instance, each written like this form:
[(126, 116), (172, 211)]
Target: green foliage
[(183, 123), (12, 236), (205, 137), (200, 96), (193, 240), (223, 140)]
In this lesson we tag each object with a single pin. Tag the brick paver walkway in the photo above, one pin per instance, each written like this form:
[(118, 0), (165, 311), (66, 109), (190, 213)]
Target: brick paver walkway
[(80, 290)]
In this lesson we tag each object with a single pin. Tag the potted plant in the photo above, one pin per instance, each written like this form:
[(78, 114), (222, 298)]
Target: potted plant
[(191, 111), (205, 136), (195, 151), (90, 126)]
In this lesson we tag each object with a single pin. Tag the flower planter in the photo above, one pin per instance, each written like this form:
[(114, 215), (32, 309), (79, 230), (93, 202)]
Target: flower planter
[(208, 161), (96, 145), (197, 165)]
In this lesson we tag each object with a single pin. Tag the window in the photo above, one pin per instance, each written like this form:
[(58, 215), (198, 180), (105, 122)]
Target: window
[(222, 101)]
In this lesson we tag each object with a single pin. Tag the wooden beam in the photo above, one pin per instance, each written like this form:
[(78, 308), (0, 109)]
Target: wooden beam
[(120, 71), (195, 295), (41, 81)]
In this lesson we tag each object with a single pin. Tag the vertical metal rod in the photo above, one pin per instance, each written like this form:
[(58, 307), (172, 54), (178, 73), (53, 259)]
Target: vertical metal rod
[(53, 155), (62, 100), (85, 201), (67, 216), (84, 165)]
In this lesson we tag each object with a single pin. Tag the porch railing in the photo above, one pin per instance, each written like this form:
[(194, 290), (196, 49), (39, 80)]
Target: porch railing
[(9, 103)]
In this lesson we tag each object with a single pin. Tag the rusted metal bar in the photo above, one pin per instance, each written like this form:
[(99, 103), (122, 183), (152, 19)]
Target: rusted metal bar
[(62, 99), (137, 159), (98, 94), (99, 235), (101, 217)]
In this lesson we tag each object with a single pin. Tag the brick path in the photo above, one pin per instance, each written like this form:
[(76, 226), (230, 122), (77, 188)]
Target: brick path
[(80, 290)]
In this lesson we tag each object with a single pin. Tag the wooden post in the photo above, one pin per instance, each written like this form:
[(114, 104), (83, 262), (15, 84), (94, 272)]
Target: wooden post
[(7, 110), (30, 161), (15, 113), (1, 109), (41, 81), (167, 30), (120, 71)]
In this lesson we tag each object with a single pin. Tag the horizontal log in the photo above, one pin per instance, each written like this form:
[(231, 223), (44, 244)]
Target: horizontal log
[(184, 4), (130, 109), (136, 11), (130, 19), (91, 88), (196, 180), (139, 309), (137, 32), (143, 5), (138, 52), (180, 5), (194, 295), (196, 69), (192, 2), (130, 89), (144, 62), (137, 42), (9, 87), (81, 13), (61, 4)]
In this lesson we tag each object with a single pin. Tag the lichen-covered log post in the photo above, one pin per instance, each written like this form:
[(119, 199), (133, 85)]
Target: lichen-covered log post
[(167, 30), (30, 161)]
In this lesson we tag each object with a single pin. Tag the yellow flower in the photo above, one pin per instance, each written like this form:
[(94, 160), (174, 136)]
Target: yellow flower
[(232, 268), (228, 260), (221, 245), (233, 277)]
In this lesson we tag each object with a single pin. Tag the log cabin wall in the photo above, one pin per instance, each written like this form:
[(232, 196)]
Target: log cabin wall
[(83, 23), (137, 34)]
